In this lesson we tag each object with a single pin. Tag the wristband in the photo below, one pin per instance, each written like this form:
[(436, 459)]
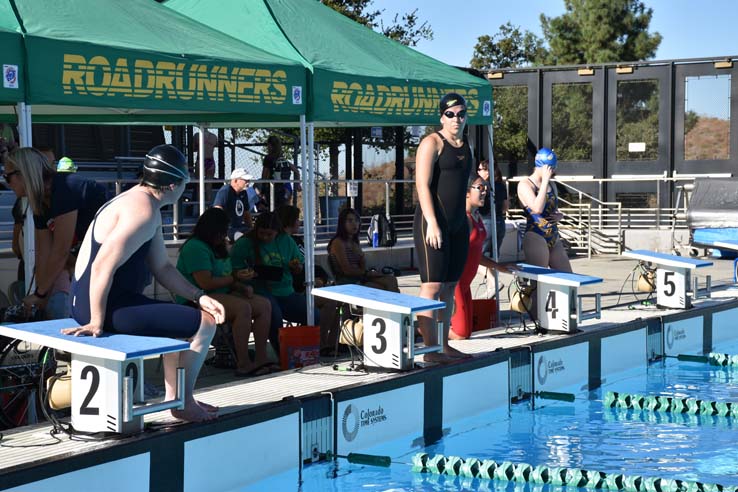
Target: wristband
[(39, 295), (197, 297)]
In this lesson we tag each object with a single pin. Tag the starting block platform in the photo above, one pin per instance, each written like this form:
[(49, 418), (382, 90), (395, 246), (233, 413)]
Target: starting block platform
[(389, 327), (107, 373), (672, 276), (557, 301), (724, 244)]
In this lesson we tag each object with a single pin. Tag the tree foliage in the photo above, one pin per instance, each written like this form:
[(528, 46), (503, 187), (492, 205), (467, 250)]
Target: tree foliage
[(600, 31), (508, 48), (406, 29), (589, 31)]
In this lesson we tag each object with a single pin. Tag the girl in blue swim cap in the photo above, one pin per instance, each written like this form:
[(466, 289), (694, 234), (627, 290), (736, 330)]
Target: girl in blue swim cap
[(541, 242)]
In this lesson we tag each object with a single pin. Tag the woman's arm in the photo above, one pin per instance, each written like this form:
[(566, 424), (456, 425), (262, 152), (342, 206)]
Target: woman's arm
[(536, 202), (425, 159), (52, 250), (131, 231), (207, 282), (165, 273)]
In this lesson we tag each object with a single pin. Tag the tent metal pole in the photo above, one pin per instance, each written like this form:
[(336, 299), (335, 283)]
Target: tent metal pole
[(25, 135), (201, 166), (310, 226), (493, 209)]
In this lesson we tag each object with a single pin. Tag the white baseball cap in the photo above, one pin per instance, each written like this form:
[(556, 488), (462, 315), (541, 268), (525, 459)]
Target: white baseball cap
[(241, 173)]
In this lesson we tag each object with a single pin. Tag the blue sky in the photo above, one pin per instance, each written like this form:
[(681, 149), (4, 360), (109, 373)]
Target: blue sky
[(690, 28)]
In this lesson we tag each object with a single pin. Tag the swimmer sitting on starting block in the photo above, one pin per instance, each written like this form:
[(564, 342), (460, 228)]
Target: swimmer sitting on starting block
[(123, 245)]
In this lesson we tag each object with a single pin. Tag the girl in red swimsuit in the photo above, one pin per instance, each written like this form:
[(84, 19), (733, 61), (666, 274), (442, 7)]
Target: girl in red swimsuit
[(461, 322)]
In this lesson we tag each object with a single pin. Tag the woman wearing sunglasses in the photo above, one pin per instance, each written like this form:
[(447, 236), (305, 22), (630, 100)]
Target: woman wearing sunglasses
[(440, 229), (476, 196), (63, 206)]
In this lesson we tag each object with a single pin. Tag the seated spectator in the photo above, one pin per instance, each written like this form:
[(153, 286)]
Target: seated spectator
[(461, 321), (63, 206), (204, 261), (347, 258), (289, 215), (233, 198), (276, 167), (268, 245)]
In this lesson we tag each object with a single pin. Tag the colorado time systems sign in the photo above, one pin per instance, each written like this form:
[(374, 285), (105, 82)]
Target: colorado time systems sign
[(372, 419), (558, 368)]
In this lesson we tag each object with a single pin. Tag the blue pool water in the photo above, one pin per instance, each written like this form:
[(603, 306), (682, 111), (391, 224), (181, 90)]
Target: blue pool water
[(582, 434)]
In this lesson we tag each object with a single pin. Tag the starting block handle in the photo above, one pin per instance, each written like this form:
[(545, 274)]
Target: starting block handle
[(413, 350), (696, 287), (130, 412), (596, 314)]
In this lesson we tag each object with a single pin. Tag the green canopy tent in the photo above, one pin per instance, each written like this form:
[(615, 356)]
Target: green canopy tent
[(103, 61), (12, 90), (357, 77), (106, 61)]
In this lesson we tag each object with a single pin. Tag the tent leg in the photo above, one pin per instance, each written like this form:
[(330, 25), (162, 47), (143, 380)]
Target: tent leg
[(25, 136), (202, 128)]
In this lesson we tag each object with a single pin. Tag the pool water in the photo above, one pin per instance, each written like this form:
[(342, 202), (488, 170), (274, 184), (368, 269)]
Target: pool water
[(583, 434)]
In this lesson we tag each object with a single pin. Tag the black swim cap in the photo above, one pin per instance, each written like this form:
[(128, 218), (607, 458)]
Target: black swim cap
[(164, 165), (450, 100)]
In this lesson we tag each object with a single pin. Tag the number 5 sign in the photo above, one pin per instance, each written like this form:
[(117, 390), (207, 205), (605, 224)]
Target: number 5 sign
[(671, 288)]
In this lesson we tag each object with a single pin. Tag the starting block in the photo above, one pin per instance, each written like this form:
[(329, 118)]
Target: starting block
[(725, 244), (558, 306), (107, 373), (672, 276), (389, 327)]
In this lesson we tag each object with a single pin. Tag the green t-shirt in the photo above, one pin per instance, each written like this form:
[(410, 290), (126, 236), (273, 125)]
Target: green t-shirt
[(277, 253), (196, 256)]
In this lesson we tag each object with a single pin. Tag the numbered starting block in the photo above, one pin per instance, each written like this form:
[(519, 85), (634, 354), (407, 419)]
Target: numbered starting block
[(672, 276), (557, 301), (107, 373), (389, 327)]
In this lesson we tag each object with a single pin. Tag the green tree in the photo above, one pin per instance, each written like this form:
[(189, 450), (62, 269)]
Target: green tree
[(406, 28), (508, 48), (600, 31)]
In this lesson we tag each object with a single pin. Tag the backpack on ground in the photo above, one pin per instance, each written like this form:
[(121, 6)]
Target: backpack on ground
[(385, 230)]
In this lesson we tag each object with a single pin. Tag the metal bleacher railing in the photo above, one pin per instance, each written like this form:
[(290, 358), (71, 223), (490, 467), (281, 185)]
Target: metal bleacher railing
[(591, 226)]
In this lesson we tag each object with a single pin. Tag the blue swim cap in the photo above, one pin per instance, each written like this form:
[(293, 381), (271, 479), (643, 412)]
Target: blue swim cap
[(545, 157)]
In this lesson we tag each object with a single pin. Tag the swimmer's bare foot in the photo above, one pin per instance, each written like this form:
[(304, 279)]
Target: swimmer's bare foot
[(193, 413), (207, 407), (455, 354), (437, 357)]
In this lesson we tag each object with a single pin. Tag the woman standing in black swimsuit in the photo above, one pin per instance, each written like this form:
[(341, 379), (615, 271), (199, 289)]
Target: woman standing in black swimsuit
[(440, 229)]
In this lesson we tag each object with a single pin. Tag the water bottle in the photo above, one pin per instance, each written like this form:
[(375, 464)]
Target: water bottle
[(375, 238)]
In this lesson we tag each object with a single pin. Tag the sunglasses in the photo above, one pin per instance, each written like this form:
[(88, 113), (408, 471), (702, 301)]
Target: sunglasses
[(481, 188), (450, 114), (9, 175)]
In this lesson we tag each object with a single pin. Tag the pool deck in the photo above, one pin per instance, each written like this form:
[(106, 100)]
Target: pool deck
[(250, 394)]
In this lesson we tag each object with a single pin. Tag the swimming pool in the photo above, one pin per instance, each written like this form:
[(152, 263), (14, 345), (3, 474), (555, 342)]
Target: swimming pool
[(583, 434)]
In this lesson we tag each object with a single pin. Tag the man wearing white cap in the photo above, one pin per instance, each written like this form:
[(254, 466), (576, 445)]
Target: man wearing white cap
[(233, 198)]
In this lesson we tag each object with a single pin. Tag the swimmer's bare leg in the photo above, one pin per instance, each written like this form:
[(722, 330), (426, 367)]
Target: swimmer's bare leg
[(427, 323), (447, 295), (192, 361)]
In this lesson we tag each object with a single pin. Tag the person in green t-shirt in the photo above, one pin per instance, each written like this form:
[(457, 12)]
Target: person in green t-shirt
[(267, 244), (204, 262)]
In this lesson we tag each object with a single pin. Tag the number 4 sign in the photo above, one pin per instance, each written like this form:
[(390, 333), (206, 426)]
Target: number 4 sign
[(557, 307)]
